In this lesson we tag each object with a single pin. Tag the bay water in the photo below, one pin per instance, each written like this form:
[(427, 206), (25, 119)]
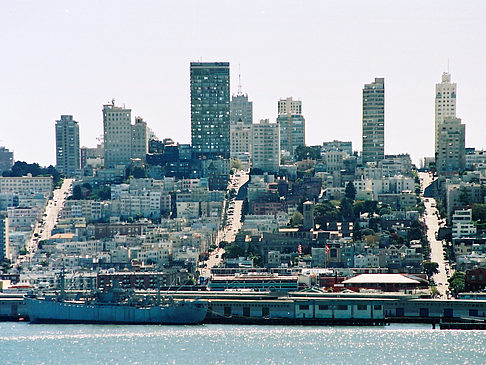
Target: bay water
[(24, 343)]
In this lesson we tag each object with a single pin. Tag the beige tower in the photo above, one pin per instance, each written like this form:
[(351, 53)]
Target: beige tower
[(445, 104)]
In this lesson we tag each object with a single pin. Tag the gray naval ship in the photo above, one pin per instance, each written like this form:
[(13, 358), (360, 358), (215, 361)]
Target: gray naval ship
[(115, 306)]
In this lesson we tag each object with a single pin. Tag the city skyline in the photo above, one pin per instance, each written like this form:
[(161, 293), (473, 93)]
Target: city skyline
[(56, 73)]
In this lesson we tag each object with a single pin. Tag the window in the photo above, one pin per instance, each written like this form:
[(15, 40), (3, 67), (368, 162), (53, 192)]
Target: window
[(362, 307), (377, 307), (342, 307), (323, 307), (303, 306)]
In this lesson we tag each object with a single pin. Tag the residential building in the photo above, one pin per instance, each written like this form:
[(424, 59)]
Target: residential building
[(210, 109), (374, 121), (4, 239), (240, 140), (123, 141), (266, 146), (26, 185), (117, 135), (139, 144), (67, 145), (462, 224), (445, 104), (451, 152), (335, 145), (6, 159), (292, 125)]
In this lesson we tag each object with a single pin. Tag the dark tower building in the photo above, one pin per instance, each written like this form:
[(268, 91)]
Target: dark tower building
[(210, 109)]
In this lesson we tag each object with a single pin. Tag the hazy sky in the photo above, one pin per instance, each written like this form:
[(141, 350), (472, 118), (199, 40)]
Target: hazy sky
[(71, 57)]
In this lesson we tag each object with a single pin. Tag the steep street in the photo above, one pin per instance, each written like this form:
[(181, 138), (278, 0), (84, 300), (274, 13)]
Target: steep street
[(431, 219)]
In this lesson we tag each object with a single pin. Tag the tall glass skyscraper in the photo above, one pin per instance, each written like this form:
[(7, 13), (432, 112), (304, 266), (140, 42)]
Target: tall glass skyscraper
[(374, 121), (210, 109)]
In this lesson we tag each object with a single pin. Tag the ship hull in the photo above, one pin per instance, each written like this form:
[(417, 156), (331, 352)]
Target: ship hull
[(45, 311)]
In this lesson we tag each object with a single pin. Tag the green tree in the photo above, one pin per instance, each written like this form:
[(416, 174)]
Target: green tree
[(233, 251), (297, 219), (346, 208), (430, 268), (325, 213), (457, 282), (139, 172), (479, 212), (350, 191), (236, 164), (5, 265), (304, 152)]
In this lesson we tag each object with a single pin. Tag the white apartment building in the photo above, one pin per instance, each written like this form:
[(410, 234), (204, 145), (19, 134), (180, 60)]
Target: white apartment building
[(139, 145), (462, 224), (240, 139), (26, 185), (389, 185), (334, 160), (445, 103), (122, 140), (451, 152), (4, 238), (266, 146)]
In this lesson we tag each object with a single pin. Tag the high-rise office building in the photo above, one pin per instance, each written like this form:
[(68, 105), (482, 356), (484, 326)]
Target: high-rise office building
[(374, 121), (241, 109), (445, 104), (67, 145), (6, 159), (123, 140), (292, 125), (210, 109), (266, 146), (451, 151), (117, 135), (4, 238)]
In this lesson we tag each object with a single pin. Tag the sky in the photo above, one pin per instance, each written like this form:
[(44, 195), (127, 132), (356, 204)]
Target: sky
[(71, 57)]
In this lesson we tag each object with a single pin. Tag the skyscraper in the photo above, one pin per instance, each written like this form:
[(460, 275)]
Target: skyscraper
[(241, 109), (445, 104), (451, 152), (67, 145), (210, 109), (292, 125), (374, 121)]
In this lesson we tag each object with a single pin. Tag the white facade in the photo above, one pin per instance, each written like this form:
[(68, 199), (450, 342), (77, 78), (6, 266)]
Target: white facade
[(462, 224), (4, 238), (26, 185), (266, 146), (445, 103), (390, 185), (117, 135), (240, 139)]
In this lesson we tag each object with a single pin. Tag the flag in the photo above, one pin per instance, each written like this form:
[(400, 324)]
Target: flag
[(327, 249)]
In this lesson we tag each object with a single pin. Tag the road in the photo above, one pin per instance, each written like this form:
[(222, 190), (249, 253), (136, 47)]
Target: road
[(436, 247), (43, 229), (233, 222)]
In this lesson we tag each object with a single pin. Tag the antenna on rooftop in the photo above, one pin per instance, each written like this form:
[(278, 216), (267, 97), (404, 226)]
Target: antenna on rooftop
[(447, 64), (239, 80)]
